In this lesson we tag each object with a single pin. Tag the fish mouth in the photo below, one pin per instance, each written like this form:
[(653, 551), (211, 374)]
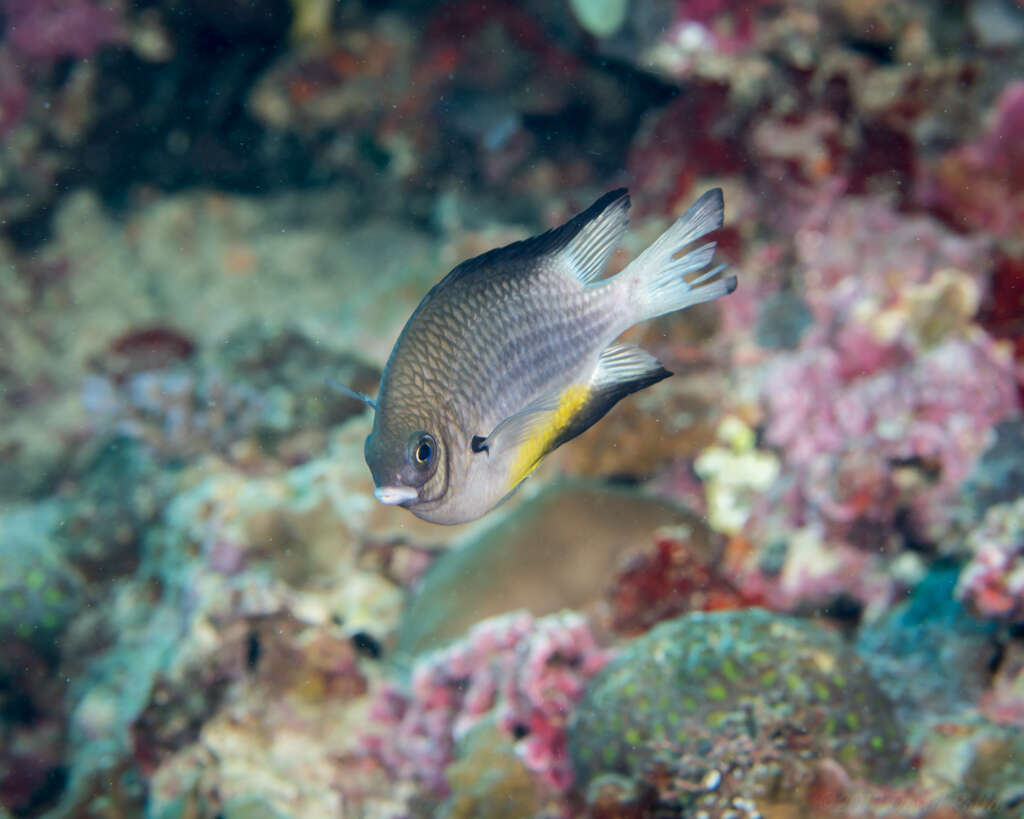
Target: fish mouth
[(395, 495)]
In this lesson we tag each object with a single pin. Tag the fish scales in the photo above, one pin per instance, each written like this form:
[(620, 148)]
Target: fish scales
[(520, 341), (512, 354)]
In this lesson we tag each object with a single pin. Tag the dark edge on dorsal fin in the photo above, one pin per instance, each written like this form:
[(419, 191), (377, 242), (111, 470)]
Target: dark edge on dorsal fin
[(546, 244)]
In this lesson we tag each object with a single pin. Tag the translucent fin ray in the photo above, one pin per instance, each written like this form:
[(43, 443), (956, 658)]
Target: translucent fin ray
[(622, 363), (337, 386), (589, 250), (661, 286)]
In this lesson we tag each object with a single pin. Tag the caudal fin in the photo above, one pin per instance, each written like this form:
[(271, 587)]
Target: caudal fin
[(660, 283)]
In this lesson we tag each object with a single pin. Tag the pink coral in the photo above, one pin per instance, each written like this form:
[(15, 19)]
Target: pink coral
[(851, 247), (526, 673), (892, 376), (14, 93), (51, 29), (38, 31), (992, 583), (845, 434)]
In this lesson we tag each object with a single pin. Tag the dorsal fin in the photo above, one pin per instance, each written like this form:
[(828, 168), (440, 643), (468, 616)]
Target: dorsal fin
[(585, 242), (589, 249)]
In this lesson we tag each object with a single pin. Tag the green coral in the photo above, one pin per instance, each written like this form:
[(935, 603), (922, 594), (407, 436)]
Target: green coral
[(38, 590), (760, 695)]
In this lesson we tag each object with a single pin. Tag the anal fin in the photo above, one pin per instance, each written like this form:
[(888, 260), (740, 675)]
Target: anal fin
[(621, 370), (626, 368), (552, 420)]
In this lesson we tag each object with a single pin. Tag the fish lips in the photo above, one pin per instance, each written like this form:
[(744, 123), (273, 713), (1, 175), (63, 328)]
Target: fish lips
[(396, 495), (398, 484)]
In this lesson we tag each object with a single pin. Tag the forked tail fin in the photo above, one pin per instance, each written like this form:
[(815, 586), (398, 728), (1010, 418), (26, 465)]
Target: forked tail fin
[(658, 282)]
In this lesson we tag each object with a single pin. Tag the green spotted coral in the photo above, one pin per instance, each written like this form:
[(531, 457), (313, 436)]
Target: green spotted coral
[(39, 592), (737, 704)]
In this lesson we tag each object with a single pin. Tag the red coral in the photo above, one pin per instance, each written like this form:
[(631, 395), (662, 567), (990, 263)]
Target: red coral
[(1002, 313), (668, 581), (454, 25), (148, 348), (981, 185), (691, 137)]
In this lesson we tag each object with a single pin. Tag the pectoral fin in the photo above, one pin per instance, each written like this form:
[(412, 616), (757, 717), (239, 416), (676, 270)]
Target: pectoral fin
[(530, 434), (521, 427)]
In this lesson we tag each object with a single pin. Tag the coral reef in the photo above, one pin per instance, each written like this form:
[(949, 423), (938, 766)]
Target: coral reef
[(267, 390), (671, 578), (879, 411), (710, 708), (930, 656), (981, 184), (992, 582), (40, 592), (69, 375), (526, 673), (211, 211), (595, 533), (488, 778), (734, 473), (903, 368)]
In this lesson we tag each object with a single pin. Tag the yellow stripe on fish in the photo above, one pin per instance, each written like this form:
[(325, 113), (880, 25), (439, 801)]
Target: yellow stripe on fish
[(541, 442)]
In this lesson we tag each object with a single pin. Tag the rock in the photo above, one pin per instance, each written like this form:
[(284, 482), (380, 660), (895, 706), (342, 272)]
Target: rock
[(558, 550), (488, 779)]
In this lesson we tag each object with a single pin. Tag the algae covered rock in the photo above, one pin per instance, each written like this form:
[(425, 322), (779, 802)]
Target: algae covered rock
[(114, 500), (708, 708), (488, 779), (559, 549)]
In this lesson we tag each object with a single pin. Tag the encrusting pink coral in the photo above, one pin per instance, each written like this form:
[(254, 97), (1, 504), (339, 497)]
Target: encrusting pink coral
[(525, 673), (848, 435), (894, 390), (878, 410)]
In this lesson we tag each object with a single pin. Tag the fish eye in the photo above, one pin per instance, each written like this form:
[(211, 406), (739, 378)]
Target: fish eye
[(423, 451)]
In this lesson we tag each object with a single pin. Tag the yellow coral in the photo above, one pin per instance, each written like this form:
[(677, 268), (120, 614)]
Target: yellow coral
[(932, 311), (733, 474)]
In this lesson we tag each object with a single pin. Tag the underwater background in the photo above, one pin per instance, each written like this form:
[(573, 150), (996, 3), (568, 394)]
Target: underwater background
[(787, 582)]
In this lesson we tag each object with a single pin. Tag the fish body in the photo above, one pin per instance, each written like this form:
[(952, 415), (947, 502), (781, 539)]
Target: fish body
[(513, 353)]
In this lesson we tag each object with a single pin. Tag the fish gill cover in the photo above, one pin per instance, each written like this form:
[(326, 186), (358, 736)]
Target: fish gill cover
[(789, 580)]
